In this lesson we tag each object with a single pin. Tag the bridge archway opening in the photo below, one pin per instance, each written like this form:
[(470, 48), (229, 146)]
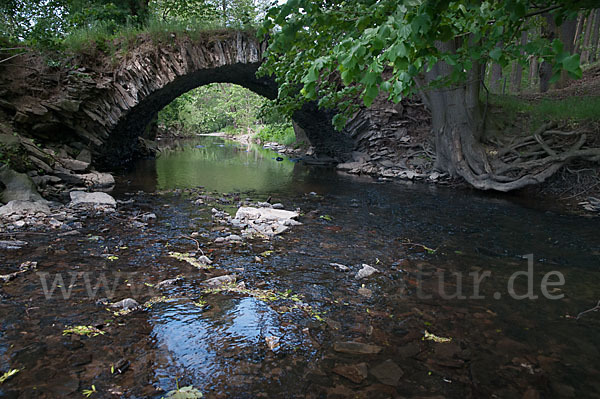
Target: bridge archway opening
[(222, 107), (141, 118)]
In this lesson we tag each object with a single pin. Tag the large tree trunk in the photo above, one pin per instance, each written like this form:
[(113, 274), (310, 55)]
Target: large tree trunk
[(517, 69), (545, 70), (533, 71), (595, 37), (585, 50), (496, 78), (458, 124), (567, 35), (577, 38)]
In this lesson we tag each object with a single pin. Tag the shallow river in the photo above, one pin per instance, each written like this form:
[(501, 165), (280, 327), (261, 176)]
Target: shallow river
[(476, 295)]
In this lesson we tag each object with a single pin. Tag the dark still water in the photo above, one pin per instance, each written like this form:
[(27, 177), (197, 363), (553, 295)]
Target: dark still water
[(476, 296)]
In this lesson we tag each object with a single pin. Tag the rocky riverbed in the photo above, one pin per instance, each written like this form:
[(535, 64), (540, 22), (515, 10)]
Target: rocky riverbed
[(171, 283)]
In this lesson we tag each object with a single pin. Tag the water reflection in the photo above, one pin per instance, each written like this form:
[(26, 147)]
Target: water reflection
[(222, 166), (204, 342)]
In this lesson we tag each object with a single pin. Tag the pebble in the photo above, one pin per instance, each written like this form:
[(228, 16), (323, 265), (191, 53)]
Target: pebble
[(127, 303), (366, 271), (148, 216), (340, 267), (367, 293), (233, 237), (170, 281), (204, 260)]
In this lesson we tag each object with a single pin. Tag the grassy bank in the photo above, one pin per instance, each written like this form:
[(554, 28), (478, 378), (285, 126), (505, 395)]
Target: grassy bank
[(112, 39), (571, 109)]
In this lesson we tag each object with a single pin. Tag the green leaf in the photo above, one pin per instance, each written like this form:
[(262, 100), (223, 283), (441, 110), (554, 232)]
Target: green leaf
[(571, 63), (496, 53), (370, 94), (339, 121), (313, 75), (347, 77), (385, 86), (421, 23), (377, 44), (370, 78), (557, 46)]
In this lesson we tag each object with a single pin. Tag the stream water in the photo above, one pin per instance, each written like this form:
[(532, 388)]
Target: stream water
[(445, 316)]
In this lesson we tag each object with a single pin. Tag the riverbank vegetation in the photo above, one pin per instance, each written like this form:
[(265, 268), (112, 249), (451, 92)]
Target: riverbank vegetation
[(71, 24), (439, 51), (78, 28), (461, 58), (228, 108)]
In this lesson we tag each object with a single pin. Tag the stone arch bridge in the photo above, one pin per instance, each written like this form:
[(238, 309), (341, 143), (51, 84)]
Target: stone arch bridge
[(107, 103)]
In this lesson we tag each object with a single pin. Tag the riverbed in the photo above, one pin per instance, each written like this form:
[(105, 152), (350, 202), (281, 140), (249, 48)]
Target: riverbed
[(475, 295)]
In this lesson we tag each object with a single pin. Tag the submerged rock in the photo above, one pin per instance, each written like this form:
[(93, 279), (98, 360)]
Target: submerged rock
[(356, 348), (205, 260), (12, 245), (168, 282), (354, 372), (272, 342), (388, 373), (233, 237), (216, 282), (148, 216), (367, 293), (25, 266)]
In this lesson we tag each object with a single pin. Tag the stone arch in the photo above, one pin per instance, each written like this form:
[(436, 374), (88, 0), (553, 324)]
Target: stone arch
[(110, 107), (155, 75), (121, 139)]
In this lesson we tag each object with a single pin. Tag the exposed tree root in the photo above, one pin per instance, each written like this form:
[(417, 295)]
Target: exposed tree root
[(521, 161)]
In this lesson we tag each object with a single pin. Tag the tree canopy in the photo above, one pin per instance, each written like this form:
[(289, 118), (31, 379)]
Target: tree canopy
[(46, 23), (337, 50)]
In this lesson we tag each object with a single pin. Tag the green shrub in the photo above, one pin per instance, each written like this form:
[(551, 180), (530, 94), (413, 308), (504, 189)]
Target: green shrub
[(97, 35), (280, 133)]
